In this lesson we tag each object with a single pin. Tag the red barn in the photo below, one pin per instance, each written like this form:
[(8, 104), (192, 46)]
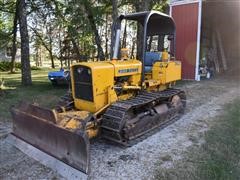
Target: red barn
[(205, 28)]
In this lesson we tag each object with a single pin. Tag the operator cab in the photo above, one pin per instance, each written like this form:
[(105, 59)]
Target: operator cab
[(157, 39)]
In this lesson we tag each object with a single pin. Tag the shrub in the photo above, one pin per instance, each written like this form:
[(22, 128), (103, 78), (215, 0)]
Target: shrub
[(6, 66), (35, 68)]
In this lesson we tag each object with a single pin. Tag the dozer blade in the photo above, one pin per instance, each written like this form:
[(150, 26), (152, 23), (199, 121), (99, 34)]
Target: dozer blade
[(37, 126)]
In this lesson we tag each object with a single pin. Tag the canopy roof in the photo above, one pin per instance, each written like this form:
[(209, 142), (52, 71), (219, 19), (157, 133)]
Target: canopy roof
[(153, 22), (156, 22)]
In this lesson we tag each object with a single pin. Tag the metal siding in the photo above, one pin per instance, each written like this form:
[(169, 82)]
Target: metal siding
[(186, 19)]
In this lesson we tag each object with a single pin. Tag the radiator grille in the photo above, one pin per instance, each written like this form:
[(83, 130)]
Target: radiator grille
[(83, 83)]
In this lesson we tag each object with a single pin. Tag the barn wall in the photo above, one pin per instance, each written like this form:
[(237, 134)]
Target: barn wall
[(186, 19)]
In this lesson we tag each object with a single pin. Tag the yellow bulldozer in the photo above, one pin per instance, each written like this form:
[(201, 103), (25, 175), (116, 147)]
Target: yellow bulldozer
[(120, 99)]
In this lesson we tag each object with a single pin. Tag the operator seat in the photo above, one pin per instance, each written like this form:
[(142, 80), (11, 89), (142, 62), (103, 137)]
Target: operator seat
[(150, 59)]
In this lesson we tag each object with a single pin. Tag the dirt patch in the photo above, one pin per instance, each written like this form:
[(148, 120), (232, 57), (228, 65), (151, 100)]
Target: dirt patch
[(161, 150)]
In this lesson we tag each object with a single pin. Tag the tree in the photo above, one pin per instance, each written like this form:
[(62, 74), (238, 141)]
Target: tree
[(44, 25), (14, 31), (89, 12), (25, 60), (6, 22), (8, 27), (84, 23), (48, 44)]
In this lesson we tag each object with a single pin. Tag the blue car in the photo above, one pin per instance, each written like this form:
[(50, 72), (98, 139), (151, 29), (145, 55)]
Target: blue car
[(59, 77)]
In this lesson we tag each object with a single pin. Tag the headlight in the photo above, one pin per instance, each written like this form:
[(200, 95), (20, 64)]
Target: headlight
[(66, 74)]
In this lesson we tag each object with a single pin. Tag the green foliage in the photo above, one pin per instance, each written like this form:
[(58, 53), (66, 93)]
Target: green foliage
[(6, 66), (6, 21), (64, 28), (160, 6), (35, 68)]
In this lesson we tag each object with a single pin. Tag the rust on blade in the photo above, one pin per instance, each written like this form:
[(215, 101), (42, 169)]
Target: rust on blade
[(37, 126)]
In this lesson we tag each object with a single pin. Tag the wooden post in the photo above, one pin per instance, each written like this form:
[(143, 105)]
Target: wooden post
[(223, 57), (214, 55)]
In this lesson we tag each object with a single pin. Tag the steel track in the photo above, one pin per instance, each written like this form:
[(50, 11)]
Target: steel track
[(115, 122)]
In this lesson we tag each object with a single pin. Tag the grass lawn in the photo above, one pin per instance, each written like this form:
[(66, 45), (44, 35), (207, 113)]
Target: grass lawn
[(221, 152), (219, 157), (41, 92)]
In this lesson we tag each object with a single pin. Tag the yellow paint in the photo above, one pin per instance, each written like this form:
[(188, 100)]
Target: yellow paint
[(152, 82), (126, 68), (126, 87), (135, 79), (124, 53), (92, 132), (73, 124), (102, 79), (165, 55), (108, 102), (104, 74), (166, 72), (72, 120)]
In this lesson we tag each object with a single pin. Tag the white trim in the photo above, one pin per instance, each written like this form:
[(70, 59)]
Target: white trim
[(170, 11), (184, 2), (198, 39)]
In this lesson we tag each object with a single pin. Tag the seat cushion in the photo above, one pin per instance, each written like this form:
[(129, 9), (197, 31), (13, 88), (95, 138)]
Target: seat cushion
[(151, 57), (147, 69)]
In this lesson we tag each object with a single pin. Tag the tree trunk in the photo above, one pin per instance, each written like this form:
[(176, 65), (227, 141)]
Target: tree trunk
[(50, 47), (47, 47), (40, 56), (14, 46), (52, 59), (60, 48), (25, 60), (72, 33), (92, 22), (76, 49), (37, 57)]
